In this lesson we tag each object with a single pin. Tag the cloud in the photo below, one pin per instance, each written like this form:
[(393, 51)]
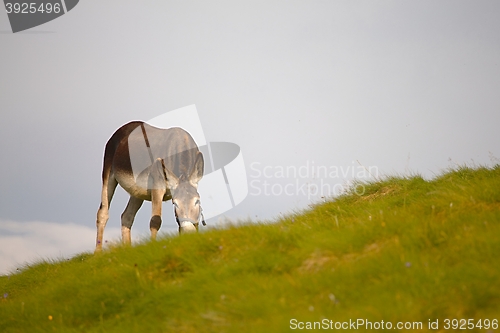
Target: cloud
[(27, 242)]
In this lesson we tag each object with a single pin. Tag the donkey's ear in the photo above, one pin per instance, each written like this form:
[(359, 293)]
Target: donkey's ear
[(197, 171), (172, 180)]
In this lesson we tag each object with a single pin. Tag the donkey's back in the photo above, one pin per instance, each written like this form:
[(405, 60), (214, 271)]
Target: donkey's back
[(139, 146)]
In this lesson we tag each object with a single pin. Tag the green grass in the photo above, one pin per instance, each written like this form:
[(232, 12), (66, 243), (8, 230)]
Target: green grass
[(407, 250)]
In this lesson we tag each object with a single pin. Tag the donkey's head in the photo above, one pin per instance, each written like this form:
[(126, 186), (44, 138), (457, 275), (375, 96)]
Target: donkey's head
[(185, 196)]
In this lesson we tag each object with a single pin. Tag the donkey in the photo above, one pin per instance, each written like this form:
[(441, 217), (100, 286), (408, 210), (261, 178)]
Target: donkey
[(170, 172)]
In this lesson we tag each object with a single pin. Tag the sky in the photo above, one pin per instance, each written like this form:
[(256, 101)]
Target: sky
[(314, 93)]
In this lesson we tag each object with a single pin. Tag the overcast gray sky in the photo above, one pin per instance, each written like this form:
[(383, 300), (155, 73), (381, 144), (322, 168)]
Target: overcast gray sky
[(398, 86)]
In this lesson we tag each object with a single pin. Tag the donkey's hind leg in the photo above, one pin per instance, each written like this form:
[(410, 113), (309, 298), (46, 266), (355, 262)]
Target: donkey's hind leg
[(128, 216), (158, 181), (108, 189)]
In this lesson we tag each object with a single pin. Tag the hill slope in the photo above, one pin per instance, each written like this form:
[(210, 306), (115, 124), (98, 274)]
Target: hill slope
[(406, 250)]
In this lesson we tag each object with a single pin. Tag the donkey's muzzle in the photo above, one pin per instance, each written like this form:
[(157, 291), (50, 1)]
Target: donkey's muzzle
[(187, 224)]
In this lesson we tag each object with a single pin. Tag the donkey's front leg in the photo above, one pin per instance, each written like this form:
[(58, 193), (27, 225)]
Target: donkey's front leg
[(158, 185), (156, 201)]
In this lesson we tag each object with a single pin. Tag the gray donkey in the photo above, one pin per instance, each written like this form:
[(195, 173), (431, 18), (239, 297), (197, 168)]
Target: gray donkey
[(156, 165)]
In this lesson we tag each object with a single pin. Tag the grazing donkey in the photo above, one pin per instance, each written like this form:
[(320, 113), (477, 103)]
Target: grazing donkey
[(156, 165)]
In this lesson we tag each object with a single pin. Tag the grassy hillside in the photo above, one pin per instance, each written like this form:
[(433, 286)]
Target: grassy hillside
[(407, 250)]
